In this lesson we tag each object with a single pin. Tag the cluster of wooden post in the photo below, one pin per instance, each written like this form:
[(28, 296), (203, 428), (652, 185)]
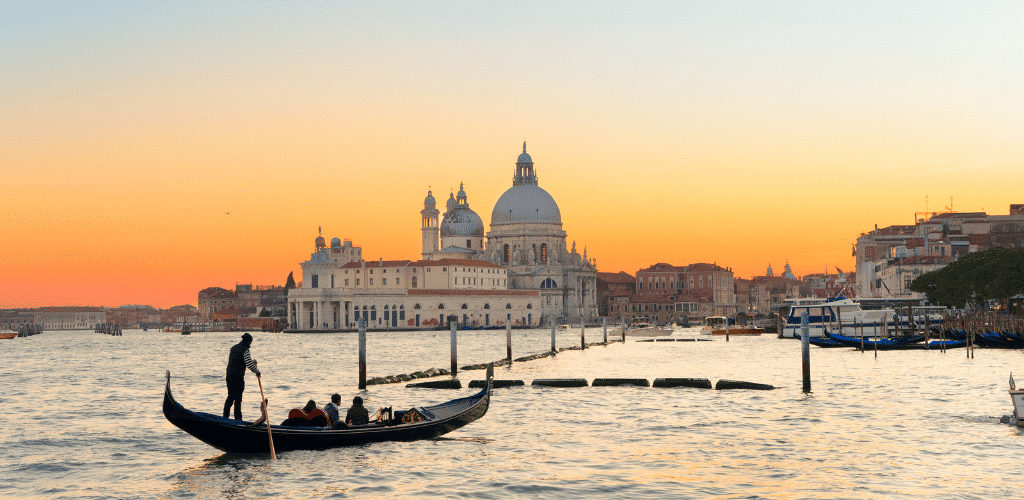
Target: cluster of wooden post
[(453, 322)]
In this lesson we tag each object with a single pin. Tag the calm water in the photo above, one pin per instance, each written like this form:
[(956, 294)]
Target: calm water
[(81, 417)]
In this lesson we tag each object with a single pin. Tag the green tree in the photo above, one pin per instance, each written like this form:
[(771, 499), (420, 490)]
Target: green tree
[(290, 282), (995, 274)]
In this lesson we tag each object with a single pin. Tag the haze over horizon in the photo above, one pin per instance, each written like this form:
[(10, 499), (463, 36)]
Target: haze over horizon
[(150, 151)]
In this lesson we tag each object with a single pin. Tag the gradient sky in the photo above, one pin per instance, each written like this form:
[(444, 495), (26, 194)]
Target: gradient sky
[(149, 151)]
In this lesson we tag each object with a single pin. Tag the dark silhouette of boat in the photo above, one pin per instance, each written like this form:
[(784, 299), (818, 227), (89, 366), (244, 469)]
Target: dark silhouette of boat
[(871, 342), (237, 436)]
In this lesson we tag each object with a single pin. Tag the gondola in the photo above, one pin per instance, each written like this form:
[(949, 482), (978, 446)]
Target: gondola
[(237, 436), (882, 343)]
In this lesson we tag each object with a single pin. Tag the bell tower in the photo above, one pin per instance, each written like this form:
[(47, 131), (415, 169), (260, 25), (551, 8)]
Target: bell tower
[(431, 239)]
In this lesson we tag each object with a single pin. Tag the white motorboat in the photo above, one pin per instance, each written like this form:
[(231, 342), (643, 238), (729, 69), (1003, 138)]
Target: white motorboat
[(1017, 396), (832, 315)]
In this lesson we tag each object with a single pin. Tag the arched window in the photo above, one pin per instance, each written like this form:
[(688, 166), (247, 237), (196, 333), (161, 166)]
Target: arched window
[(549, 283), (505, 254), (486, 306), (528, 306), (543, 252), (508, 306), (417, 306), (464, 306), (440, 306)]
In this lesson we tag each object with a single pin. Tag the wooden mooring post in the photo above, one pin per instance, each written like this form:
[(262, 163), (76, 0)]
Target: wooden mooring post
[(362, 353), (604, 324), (553, 336), (805, 347), (583, 332), (453, 321), (508, 342)]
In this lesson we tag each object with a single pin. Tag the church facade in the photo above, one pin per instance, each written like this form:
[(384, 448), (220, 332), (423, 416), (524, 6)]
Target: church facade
[(521, 271)]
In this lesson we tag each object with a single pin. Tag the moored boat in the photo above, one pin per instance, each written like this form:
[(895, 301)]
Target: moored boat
[(644, 329), (237, 436), (1017, 396), (719, 325), (874, 342), (8, 335), (833, 315)]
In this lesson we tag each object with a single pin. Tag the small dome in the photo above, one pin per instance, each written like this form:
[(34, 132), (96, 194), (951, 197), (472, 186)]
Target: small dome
[(525, 203), (429, 199), (320, 242), (462, 222), (451, 202), (335, 242)]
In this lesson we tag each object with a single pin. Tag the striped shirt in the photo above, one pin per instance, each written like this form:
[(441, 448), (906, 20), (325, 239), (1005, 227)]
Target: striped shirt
[(239, 360)]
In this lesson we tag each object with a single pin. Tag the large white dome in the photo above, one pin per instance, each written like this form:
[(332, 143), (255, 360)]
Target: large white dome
[(525, 203)]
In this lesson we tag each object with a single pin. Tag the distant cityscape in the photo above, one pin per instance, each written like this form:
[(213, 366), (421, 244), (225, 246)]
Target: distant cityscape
[(524, 272)]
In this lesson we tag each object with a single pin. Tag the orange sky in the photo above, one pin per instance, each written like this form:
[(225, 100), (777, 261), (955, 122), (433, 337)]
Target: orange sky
[(151, 151)]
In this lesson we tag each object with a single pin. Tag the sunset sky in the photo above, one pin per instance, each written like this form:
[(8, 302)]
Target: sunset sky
[(149, 151)]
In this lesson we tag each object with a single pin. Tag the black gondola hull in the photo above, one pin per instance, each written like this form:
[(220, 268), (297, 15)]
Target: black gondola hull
[(237, 436)]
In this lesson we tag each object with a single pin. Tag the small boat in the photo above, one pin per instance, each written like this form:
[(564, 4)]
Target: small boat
[(719, 325), (644, 329), (237, 436), (1017, 396), (564, 327), (871, 342), (8, 335)]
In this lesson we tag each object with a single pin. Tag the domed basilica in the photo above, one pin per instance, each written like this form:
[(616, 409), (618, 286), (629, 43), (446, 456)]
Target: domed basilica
[(526, 236), (520, 273)]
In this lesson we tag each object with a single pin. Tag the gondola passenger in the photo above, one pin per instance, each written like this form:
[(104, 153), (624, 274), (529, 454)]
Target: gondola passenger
[(357, 414)]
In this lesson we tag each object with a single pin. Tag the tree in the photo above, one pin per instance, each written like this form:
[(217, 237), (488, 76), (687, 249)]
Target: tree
[(290, 282), (995, 274)]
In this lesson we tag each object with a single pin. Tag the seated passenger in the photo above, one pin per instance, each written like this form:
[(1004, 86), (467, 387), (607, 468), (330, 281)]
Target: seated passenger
[(308, 416), (357, 414), (332, 409)]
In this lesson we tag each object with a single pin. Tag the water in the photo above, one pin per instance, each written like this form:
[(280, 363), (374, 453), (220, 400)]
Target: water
[(81, 418)]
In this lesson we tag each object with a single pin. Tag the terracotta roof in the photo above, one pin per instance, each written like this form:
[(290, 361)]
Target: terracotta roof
[(70, 309), (619, 277)]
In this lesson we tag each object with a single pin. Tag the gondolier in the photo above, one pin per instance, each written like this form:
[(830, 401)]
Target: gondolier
[(238, 361)]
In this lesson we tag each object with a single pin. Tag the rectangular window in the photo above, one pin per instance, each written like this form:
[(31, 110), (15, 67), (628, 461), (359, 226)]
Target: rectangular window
[(371, 284), (315, 279), (332, 286), (346, 284), (383, 282), (357, 284), (398, 281)]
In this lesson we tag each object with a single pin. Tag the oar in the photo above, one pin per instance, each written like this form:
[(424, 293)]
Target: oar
[(266, 418)]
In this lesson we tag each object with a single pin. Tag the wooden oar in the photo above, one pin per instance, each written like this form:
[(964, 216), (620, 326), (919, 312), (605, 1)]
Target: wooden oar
[(266, 418)]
